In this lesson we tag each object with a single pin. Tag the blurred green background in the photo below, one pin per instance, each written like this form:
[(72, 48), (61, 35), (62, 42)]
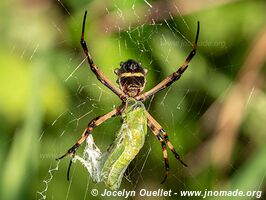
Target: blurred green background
[(214, 115)]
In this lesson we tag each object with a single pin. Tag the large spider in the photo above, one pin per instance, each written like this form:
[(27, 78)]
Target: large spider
[(132, 80)]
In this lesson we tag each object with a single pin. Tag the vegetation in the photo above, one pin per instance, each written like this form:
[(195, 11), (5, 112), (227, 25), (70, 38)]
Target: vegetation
[(214, 115)]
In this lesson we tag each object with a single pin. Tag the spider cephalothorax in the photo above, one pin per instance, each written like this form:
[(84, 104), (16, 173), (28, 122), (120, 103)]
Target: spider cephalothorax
[(131, 77)]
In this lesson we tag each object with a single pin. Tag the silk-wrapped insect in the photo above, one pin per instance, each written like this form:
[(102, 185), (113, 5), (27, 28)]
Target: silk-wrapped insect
[(110, 166)]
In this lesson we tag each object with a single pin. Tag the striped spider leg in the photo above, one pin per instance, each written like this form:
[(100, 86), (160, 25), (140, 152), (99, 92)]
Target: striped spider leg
[(162, 136), (99, 74), (91, 125), (169, 80)]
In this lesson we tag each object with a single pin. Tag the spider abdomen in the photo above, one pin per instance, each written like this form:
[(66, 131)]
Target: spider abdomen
[(129, 141)]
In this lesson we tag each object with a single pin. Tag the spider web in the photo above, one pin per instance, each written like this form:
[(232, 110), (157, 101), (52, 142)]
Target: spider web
[(156, 43)]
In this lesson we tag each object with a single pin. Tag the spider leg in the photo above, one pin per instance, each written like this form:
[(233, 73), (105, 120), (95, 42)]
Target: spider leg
[(165, 156), (169, 80), (92, 124), (99, 74), (160, 132)]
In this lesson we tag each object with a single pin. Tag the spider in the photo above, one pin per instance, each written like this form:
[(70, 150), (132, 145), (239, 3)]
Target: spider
[(131, 77)]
